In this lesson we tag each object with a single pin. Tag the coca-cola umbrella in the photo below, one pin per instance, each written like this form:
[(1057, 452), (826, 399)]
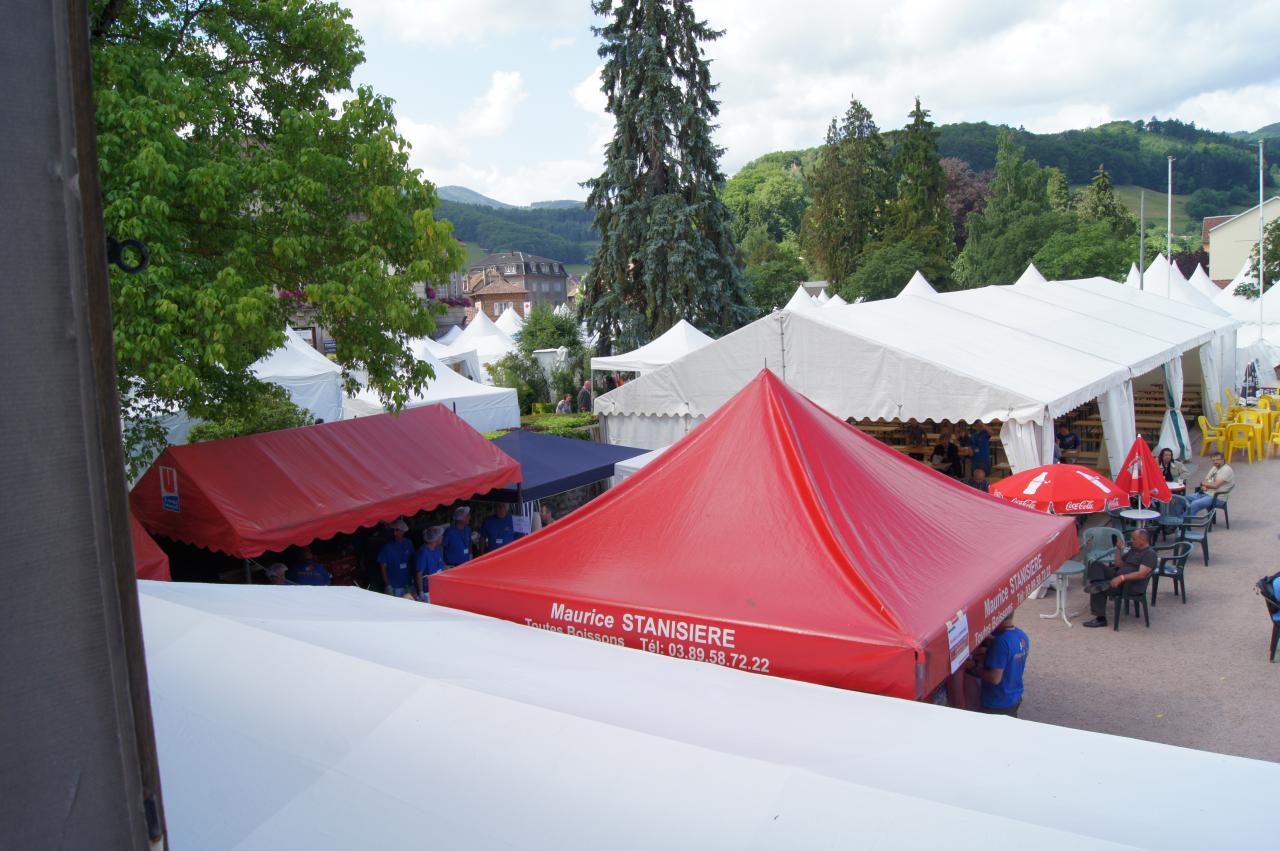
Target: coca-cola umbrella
[(1141, 475), (1061, 489)]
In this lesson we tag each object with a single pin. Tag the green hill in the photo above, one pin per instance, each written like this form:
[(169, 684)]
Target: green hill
[(561, 233), (1262, 134)]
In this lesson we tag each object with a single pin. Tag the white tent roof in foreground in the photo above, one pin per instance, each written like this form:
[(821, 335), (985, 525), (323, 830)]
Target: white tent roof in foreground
[(679, 340), (312, 380), (333, 718), (482, 407)]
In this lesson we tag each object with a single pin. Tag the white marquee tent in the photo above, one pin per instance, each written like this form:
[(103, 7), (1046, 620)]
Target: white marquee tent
[(333, 718), (1024, 355), (424, 348), (488, 341), (1164, 278), (510, 322), (1203, 284), (679, 340), (312, 380), (801, 300), (835, 301), (482, 407), (918, 286), (450, 336)]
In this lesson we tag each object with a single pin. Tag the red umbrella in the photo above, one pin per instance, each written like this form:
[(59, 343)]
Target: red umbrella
[(1060, 489), (1141, 475)]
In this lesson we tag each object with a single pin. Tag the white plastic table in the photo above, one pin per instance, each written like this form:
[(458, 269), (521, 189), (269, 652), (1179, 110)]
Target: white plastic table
[(1141, 516), (1063, 576)]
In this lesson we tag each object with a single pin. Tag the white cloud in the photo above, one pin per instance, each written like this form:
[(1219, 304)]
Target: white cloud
[(786, 70), (454, 22), (562, 42), (494, 111)]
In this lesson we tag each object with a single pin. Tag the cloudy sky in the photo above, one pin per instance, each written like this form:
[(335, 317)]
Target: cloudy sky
[(503, 97)]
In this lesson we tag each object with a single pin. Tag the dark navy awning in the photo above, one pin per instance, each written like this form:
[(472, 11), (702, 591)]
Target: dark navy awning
[(552, 464)]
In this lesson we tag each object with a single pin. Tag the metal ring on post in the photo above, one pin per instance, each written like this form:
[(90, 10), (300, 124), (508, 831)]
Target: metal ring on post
[(115, 254)]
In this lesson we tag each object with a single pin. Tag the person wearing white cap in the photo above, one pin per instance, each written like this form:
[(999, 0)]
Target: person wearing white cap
[(395, 558), (457, 538), (429, 560)]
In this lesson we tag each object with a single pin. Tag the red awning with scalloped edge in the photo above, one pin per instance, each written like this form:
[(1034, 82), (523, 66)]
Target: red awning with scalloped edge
[(777, 538), (262, 493)]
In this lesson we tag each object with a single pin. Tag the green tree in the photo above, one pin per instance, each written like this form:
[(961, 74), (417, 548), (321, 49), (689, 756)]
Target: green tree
[(768, 193), (775, 276), (885, 271), (219, 150), (1016, 222), (1089, 249), (920, 213), (1271, 242), (1061, 198), (849, 186), (545, 329), (1099, 203), (666, 251)]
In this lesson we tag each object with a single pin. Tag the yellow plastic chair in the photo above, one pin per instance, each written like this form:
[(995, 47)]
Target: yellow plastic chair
[(1209, 434), (1274, 442), (1239, 436), (1265, 403), (1260, 420)]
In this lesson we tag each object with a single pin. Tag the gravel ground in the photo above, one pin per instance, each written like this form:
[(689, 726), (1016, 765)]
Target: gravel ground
[(1199, 677)]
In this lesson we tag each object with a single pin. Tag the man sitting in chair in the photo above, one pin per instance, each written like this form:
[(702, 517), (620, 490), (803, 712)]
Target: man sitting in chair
[(1219, 482), (1106, 579)]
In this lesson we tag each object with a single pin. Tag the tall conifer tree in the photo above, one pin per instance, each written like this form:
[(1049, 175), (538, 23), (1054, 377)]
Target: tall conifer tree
[(849, 188), (920, 212), (666, 251)]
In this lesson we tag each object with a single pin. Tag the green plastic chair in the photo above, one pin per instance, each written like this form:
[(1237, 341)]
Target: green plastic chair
[(1173, 564), (1099, 542)]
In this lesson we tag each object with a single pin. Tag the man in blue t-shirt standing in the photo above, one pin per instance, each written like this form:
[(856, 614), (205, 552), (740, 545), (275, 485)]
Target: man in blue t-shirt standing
[(1000, 669), (498, 529), (980, 448), (308, 571), (395, 559), (428, 560), (457, 538)]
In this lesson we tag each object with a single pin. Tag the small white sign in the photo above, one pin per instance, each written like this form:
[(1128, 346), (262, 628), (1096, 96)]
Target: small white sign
[(958, 640), (520, 524)]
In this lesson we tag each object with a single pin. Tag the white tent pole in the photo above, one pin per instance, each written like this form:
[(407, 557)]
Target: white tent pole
[(1168, 273), (1142, 236), (1262, 328)]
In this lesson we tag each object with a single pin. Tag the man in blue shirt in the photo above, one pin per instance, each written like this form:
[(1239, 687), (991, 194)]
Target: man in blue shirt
[(1068, 444), (457, 538), (428, 560), (1000, 669), (498, 529), (980, 448), (395, 559), (308, 571)]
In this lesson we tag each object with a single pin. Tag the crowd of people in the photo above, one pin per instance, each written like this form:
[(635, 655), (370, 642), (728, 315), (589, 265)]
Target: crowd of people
[(401, 568)]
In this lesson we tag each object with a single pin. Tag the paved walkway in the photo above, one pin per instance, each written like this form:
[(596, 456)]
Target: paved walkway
[(1199, 677)]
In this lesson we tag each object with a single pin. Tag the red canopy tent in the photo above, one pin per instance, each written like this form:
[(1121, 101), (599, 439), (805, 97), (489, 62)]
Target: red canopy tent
[(149, 561), (779, 539), (264, 492)]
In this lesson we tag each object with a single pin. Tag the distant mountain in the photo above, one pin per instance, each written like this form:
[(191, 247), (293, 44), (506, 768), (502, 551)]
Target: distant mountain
[(1271, 131), (565, 204), (562, 233), (463, 195)]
